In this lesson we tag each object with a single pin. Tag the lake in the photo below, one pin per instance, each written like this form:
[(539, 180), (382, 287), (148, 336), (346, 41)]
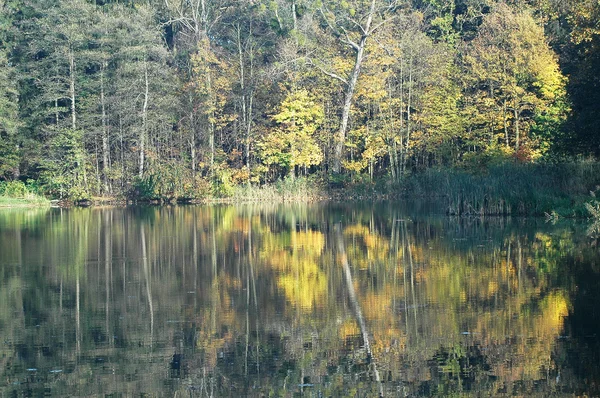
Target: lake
[(313, 300)]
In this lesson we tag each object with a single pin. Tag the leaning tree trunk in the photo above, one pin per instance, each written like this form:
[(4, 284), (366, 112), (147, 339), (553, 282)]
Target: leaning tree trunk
[(350, 89)]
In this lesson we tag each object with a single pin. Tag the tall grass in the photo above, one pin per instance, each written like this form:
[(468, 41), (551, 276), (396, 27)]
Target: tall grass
[(509, 189), (19, 194), (298, 189)]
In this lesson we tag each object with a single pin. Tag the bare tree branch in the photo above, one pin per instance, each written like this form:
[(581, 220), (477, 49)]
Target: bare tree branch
[(326, 72)]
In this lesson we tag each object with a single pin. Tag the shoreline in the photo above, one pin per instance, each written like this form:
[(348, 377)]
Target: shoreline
[(554, 191), (21, 203), (336, 196)]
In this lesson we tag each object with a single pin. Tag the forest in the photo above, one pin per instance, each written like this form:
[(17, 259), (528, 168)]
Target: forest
[(188, 99)]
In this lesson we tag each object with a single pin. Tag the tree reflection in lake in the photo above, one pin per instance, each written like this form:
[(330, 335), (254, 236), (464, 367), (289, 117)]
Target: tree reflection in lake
[(324, 300)]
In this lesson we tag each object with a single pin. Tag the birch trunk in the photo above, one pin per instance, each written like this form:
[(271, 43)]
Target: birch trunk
[(105, 148), (72, 89), (350, 89), (517, 132), (144, 121)]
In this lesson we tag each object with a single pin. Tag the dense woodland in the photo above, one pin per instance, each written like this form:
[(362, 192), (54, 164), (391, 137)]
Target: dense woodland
[(189, 98)]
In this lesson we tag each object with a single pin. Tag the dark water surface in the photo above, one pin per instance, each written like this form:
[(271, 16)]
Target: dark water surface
[(297, 300)]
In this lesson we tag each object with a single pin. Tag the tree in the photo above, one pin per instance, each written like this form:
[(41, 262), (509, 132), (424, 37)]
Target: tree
[(292, 142), (212, 84), (144, 85), (581, 61), (352, 24), (515, 74), (9, 147)]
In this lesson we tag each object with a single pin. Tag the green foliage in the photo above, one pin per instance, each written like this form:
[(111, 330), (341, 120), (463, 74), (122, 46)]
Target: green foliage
[(17, 194), (144, 188), (66, 166), (518, 81), (171, 182), (593, 209), (10, 156), (480, 162), (223, 185), (13, 189)]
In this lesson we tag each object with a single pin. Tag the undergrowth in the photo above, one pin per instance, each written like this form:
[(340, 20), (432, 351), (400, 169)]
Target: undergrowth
[(17, 193), (509, 189)]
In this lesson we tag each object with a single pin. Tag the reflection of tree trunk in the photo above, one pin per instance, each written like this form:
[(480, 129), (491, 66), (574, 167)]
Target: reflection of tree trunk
[(507, 267), (247, 319), (195, 259), (215, 280), (405, 288), (248, 309), (520, 262), (356, 305), (107, 272), (147, 279), (251, 264), (412, 280), (77, 307)]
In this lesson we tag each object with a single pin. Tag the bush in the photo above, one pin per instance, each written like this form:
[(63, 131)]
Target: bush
[(13, 189), (173, 183), (144, 188)]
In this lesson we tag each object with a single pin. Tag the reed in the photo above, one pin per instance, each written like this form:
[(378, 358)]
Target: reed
[(300, 189), (509, 189)]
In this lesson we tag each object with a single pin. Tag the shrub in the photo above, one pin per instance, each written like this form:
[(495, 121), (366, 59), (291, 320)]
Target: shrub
[(13, 189)]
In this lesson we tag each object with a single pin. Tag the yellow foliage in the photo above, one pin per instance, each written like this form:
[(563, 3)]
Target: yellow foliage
[(304, 285)]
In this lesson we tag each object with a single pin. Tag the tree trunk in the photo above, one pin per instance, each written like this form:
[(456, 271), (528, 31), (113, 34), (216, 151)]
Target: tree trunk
[(105, 148), (517, 132), (247, 98), (505, 123), (350, 88), (349, 94), (408, 113), (144, 121), (295, 19), (72, 89), (192, 138), (248, 131)]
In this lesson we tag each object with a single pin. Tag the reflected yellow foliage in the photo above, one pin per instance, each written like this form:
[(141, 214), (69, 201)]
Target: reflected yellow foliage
[(296, 256), (244, 286), (305, 285)]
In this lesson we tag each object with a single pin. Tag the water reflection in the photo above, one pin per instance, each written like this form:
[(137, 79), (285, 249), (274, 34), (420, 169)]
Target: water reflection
[(321, 300)]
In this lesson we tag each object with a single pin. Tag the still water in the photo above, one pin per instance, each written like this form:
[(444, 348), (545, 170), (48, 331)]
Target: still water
[(295, 300)]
